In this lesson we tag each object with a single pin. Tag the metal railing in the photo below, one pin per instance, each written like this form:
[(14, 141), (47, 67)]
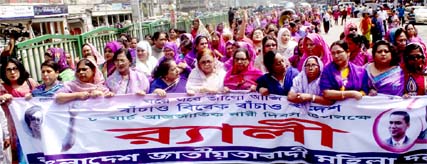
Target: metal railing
[(31, 52)]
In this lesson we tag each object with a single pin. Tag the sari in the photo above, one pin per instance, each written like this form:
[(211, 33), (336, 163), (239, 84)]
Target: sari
[(361, 58), (198, 80), (177, 87), (390, 82), (331, 78), (317, 40), (135, 83), (78, 86), (41, 91), (243, 80)]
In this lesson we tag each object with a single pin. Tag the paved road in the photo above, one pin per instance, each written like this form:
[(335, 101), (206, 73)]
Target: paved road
[(335, 31)]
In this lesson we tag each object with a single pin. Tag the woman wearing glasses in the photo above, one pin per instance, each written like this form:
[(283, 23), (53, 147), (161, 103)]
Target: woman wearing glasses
[(342, 79), (384, 74), (305, 86), (89, 82), (415, 70), (16, 83), (208, 76), (269, 43), (242, 75)]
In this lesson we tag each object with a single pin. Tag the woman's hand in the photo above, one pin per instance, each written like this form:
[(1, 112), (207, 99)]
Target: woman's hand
[(160, 92), (373, 92), (304, 97), (109, 94), (96, 93), (406, 96), (6, 97), (83, 95), (226, 90), (141, 93), (28, 96), (191, 93), (357, 95), (264, 91), (252, 88)]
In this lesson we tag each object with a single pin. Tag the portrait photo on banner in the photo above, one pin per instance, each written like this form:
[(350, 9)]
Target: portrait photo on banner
[(397, 130)]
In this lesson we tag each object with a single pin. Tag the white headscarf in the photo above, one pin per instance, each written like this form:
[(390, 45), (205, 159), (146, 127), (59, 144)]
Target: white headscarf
[(147, 66), (287, 50), (300, 82)]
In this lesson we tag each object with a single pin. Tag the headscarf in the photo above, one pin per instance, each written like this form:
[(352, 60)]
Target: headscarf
[(252, 53), (109, 66), (317, 40), (225, 57), (248, 76), (348, 26), (301, 80), (392, 35), (174, 47), (188, 35), (99, 58), (78, 86), (147, 66), (59, 56), (190, 58), (288, 48), (221, 44)]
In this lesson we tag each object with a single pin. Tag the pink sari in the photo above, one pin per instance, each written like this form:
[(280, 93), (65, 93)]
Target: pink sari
[(317, 40), (78, 86)]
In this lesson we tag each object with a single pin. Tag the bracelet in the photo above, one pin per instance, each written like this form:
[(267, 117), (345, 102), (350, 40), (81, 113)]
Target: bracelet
[(313, 98)]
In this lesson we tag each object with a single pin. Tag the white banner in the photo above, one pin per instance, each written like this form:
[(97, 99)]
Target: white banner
[(231, 128)]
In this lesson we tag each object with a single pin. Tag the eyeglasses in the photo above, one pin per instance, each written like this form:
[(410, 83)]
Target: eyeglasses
[(414, 57), (205, 62), (352, 29), (12, 69), (311, 66), (270, 45)]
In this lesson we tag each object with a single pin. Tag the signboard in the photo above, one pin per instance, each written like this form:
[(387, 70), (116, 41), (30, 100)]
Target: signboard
[(50, 10), (16, 12)]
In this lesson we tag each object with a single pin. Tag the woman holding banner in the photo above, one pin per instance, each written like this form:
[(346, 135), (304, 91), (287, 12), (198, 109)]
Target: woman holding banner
[(279, 78), (51, 81), (384, 74), (208, 76), (89, 83), (125, 80), (16, 83), (243, 74), (305, 87), (342, 79), (167, 79)]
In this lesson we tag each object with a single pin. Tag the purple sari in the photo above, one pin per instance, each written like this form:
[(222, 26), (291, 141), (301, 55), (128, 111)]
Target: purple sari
[(331, 78), (390, 82)]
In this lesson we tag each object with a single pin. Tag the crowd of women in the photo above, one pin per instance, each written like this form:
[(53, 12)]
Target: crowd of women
[(268, 59)]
